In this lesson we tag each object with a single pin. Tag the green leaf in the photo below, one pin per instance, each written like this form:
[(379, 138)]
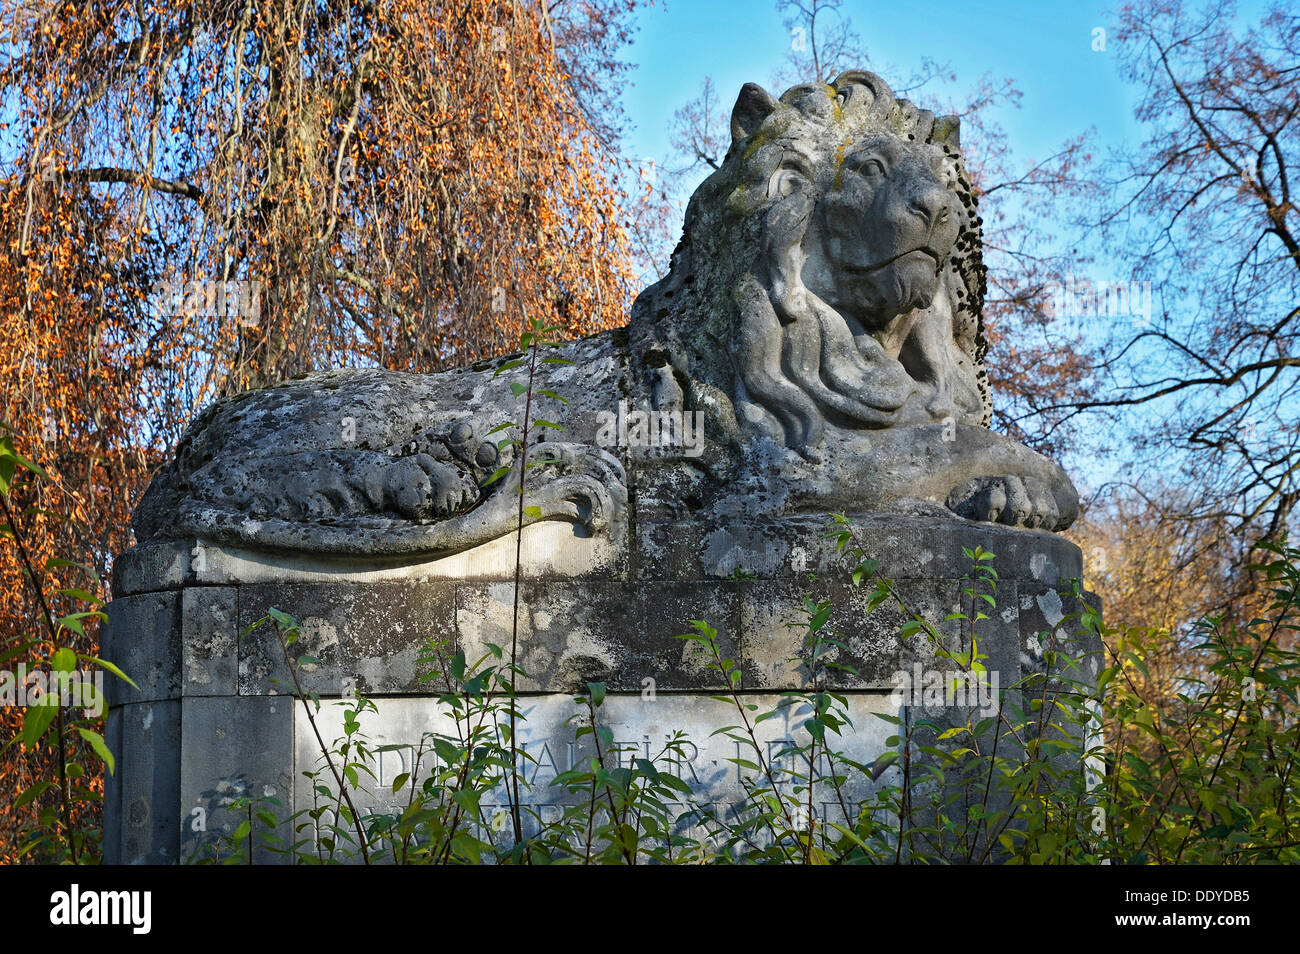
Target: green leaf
[(101, 748), (508, 366), (882, 763), (82, 595), (517, 388), (108, 666), (467, 846), (36, 722), (533, 512), (31, 793), (63, 660), (25, 463), (281, 618), (467, 800), (72, 622), (597, 691)]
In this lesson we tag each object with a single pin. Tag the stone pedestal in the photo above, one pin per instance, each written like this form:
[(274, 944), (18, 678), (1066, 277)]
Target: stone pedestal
[(212, 719)]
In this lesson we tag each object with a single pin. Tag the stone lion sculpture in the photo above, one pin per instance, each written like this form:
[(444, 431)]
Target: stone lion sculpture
[(816, 347)]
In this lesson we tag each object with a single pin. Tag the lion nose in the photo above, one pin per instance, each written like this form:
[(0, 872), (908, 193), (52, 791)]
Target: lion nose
[(931, 203)]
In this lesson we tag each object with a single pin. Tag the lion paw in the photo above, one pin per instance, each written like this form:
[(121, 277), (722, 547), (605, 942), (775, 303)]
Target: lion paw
[(1014, 501), (421, 488), (337, 485)]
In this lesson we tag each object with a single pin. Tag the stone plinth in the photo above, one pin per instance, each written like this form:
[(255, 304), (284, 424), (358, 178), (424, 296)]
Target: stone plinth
[(212, 718)]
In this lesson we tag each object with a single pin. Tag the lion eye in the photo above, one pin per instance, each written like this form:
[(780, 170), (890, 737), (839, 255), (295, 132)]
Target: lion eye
[(784, 182), (872, 168)]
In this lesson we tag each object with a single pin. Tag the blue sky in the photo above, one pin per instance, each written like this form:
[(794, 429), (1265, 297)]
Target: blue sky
[(1046, 48)]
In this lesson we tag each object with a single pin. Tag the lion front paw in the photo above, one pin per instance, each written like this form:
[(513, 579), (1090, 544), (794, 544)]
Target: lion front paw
[(1014, 501), (423, 489), (437, 474)]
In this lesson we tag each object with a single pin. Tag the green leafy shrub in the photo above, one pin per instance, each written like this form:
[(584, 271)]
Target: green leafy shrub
[(1042, 781), (64, 711)]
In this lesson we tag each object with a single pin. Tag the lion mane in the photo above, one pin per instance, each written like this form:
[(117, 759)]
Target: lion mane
[(735, 329)]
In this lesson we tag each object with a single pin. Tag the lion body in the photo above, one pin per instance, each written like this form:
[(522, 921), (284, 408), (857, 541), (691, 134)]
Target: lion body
[(821, 316)]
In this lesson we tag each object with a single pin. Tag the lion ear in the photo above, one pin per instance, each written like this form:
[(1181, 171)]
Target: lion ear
[(753, 105)]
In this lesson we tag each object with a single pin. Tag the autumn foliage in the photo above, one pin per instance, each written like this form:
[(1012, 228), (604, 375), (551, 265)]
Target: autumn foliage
[(203, 196)]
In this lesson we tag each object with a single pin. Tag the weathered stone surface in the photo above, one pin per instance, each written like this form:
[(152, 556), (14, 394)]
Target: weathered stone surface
[(550, 550), (369, 634), (614, 633), (1057, 654), (351, 475), (640, 727), (209, 641), (142, 798), (774, 620), (923, 547), (1049, 622), (231, 747), (143, 638), (367, 638), (156, 565)]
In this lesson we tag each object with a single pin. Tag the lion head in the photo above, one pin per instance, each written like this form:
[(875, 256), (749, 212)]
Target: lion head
[(889, 221), (829, 272)]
